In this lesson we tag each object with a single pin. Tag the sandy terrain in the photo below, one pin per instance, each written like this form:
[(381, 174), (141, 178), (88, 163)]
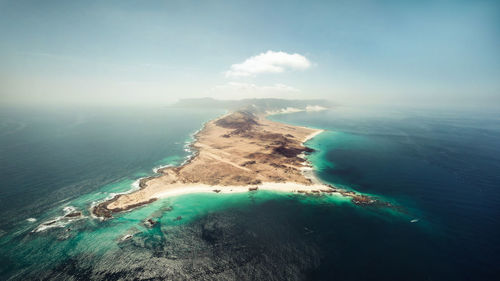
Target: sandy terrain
[(238, 152)]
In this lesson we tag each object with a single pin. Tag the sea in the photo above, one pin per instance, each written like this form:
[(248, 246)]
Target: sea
[(441, 168)]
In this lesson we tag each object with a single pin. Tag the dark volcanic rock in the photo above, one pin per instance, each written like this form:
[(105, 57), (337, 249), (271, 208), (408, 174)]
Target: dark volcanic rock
[(149, 223), (73, 214), (251, 162), (362, 200), (101, 210), (241, 121), (291, 152)]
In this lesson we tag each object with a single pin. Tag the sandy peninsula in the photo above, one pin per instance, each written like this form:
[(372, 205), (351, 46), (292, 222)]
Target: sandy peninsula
[(238, 152)]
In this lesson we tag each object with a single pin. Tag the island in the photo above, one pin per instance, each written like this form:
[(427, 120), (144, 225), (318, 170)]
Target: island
[(242, 151)]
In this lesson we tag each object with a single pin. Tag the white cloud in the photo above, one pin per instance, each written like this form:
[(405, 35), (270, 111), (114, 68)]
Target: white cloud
[(237, 90), (268, 62)]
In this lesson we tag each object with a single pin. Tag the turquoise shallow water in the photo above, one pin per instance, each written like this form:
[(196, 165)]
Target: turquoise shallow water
[(259, 235)]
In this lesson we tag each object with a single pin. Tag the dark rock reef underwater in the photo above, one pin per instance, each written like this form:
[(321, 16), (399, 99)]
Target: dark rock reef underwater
[(229, 245)]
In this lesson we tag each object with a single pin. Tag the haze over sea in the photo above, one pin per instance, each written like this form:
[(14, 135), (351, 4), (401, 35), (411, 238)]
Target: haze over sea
[(441, 167)]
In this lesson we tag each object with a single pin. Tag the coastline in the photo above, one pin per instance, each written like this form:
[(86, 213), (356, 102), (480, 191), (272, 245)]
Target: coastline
[(289, 187), (287, 159), (312, 135)]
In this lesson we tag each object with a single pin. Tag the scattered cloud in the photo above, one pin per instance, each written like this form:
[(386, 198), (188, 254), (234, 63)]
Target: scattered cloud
[(248, 90), (269, 62)]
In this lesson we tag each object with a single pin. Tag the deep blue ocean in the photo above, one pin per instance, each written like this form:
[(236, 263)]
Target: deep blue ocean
[(441, 167)]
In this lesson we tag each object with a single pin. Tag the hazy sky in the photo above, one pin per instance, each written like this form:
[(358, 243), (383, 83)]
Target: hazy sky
[(153, 52)]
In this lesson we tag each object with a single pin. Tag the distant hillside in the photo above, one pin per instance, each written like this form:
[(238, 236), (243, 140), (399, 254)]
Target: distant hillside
[(257, 105)]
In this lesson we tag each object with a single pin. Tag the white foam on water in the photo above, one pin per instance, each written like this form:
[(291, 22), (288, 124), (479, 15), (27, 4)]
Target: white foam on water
[(57, 222), (135, 186), (69, 209), (126, 237), (157, 169)]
